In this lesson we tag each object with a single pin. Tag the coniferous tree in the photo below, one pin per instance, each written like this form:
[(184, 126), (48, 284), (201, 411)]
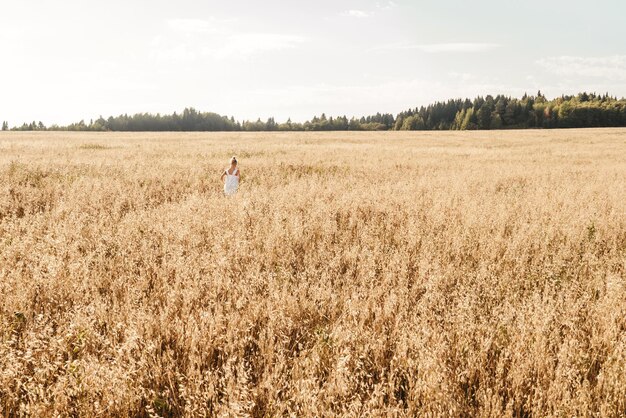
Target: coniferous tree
[(484, 117), (496, 121), (510, 113)]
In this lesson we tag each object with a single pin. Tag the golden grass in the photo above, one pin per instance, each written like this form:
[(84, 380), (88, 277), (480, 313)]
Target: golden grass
[(354, 274)]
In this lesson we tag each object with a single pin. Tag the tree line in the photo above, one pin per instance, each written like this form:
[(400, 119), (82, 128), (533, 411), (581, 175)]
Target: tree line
[(583, 110)]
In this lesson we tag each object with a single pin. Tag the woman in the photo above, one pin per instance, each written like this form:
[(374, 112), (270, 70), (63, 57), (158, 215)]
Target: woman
[(230, 177)]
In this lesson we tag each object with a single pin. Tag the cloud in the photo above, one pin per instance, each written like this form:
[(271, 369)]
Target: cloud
[(386, 6), (194, 39), (190, 25), (246, 44), (611, 67), (361, 14), (463, 47), (462, 76), (454, 47), (357, 13)]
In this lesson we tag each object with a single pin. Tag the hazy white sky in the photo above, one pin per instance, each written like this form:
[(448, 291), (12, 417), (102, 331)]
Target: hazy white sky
[(62, 61)]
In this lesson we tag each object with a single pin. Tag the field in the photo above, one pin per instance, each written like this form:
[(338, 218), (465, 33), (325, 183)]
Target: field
[(354, 274)]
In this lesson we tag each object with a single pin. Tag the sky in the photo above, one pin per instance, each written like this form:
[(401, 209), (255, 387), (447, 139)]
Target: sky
[(64, 61)]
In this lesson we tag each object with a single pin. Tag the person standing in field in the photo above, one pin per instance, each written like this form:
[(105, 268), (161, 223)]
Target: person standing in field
[(230, 177)]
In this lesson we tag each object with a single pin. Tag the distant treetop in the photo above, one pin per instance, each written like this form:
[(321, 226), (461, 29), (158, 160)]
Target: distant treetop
[(584, 110)]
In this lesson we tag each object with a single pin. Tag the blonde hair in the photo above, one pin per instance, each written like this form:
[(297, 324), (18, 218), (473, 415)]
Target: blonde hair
[(233, 160)]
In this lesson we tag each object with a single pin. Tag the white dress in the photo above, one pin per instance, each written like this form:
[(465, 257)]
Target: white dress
[(231, 183)]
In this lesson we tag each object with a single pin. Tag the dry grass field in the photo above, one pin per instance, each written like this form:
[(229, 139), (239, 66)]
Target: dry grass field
[(354, 274)]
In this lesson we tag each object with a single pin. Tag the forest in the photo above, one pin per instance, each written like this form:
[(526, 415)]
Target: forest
[(584, 110)]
